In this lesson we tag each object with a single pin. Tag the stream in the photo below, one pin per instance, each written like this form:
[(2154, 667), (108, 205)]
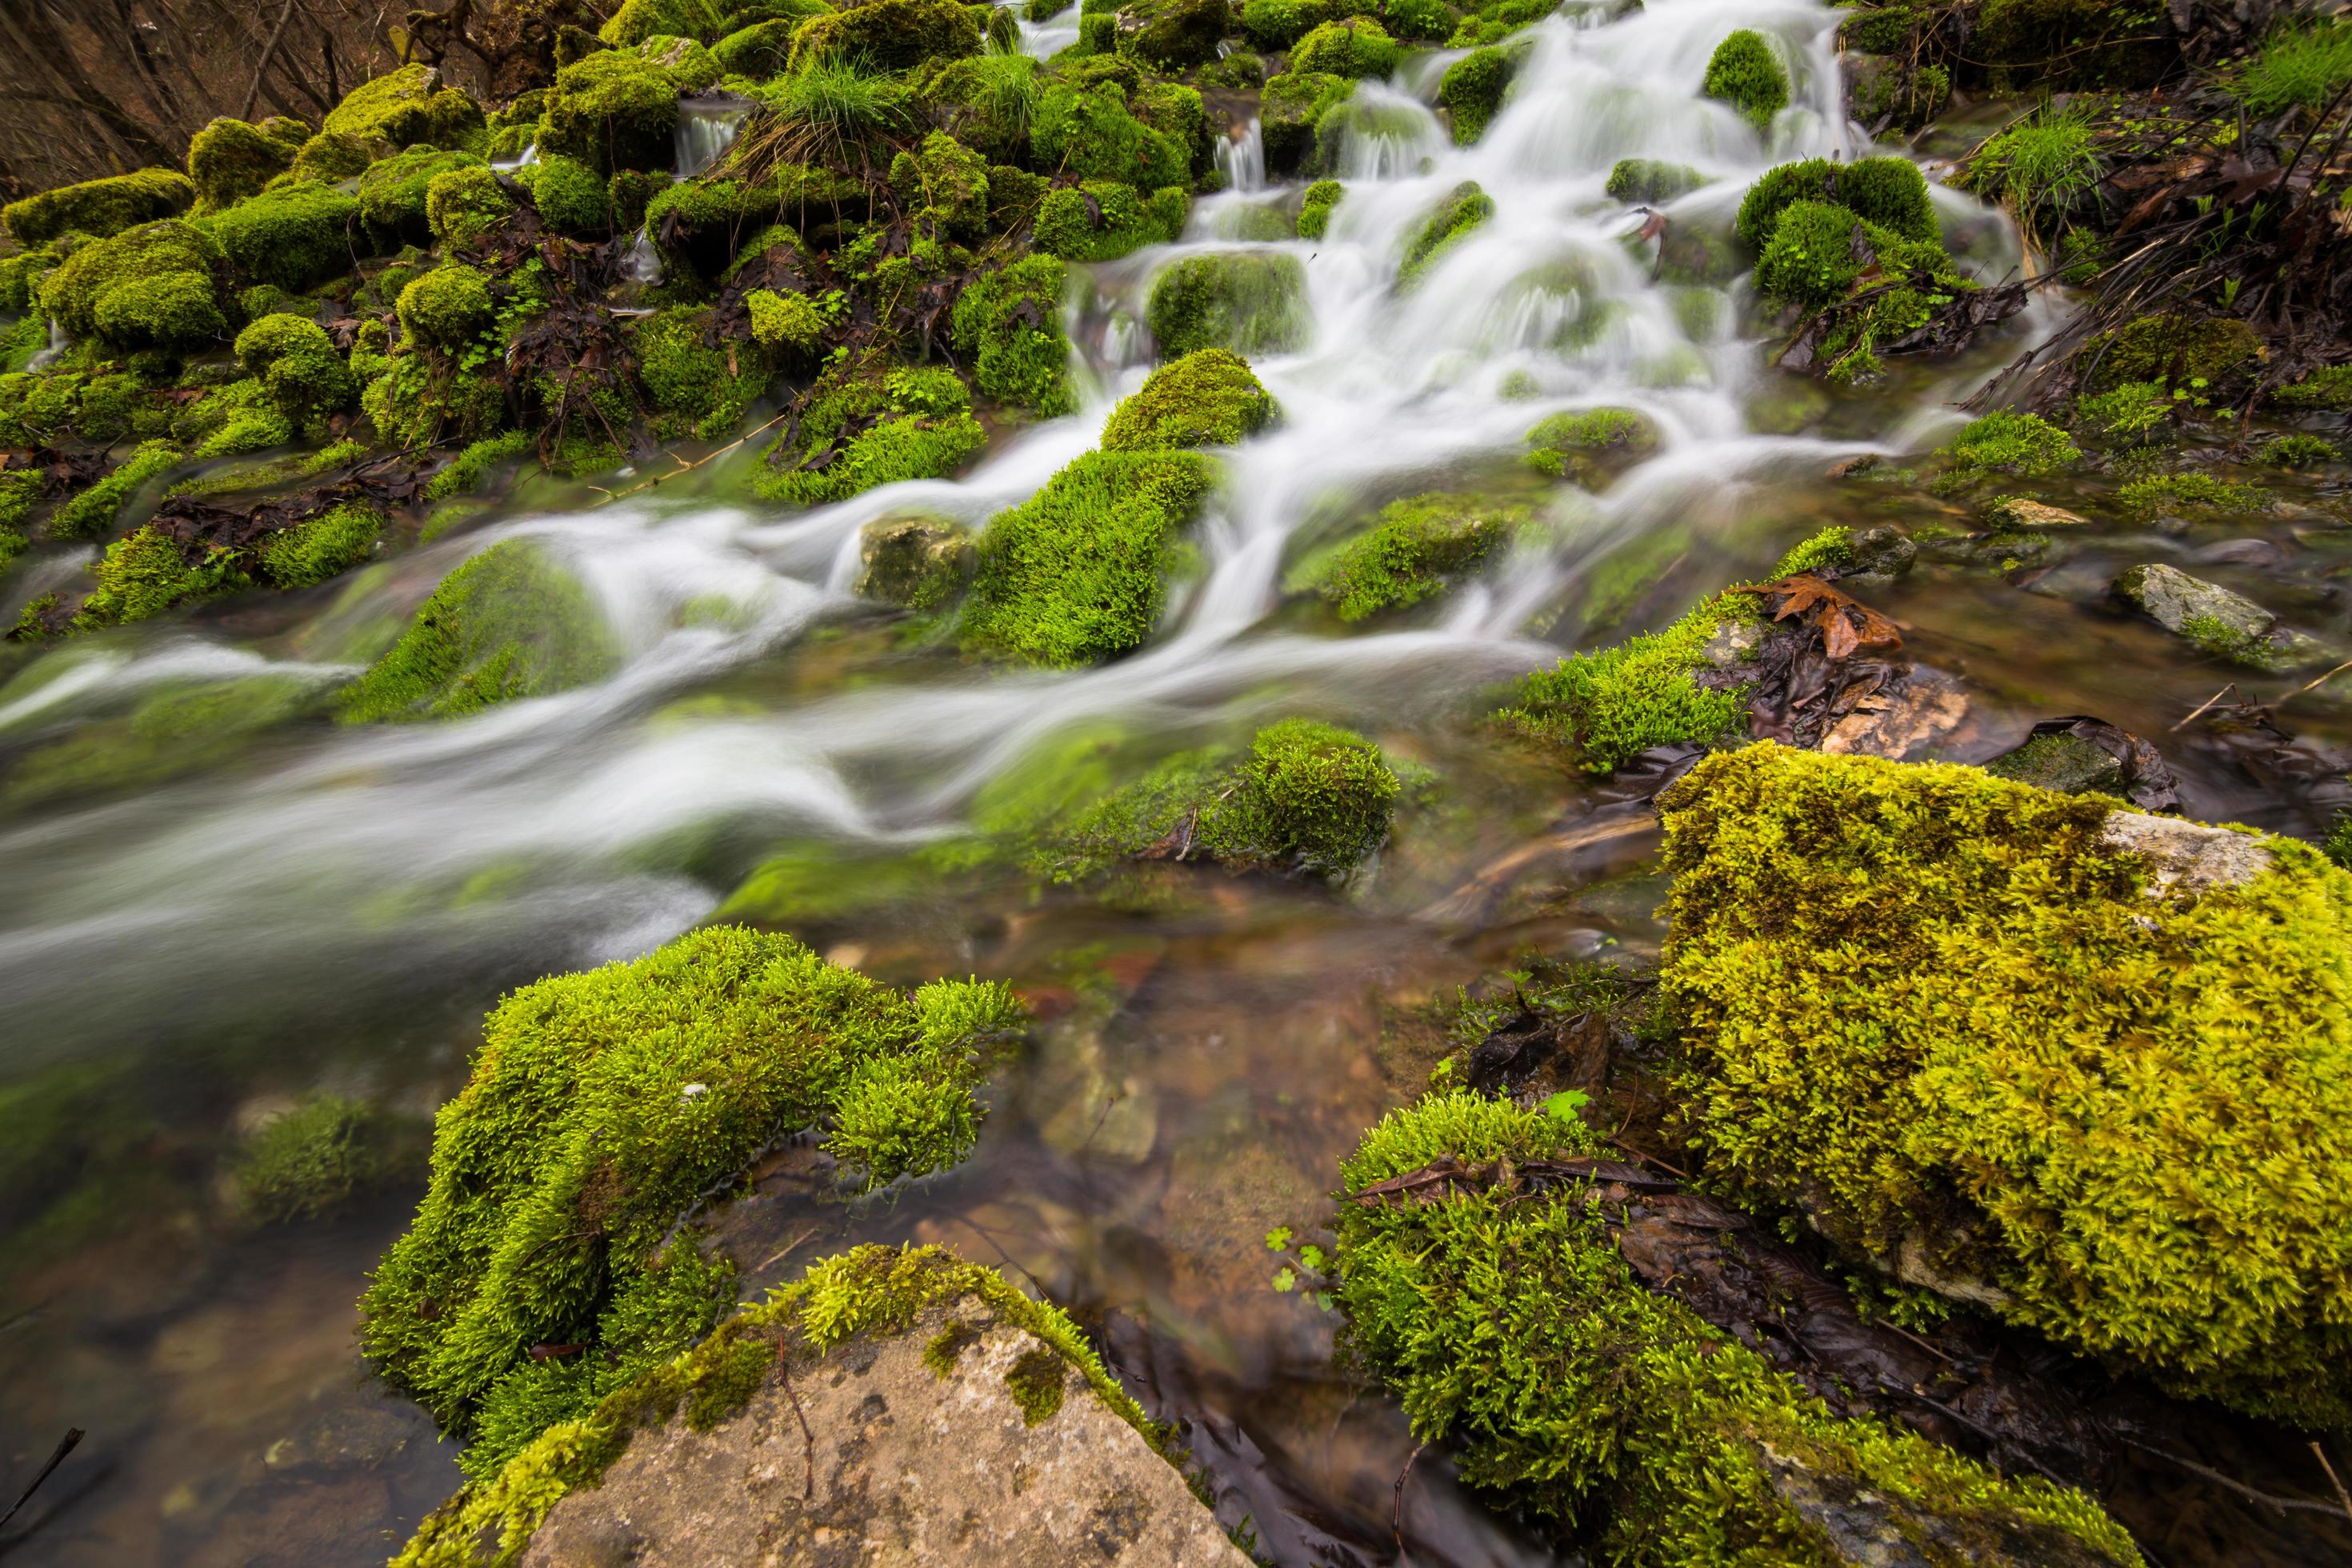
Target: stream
[(318, 909)]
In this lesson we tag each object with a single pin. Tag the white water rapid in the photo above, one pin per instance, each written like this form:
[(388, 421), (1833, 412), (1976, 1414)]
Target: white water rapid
[(576, 818)]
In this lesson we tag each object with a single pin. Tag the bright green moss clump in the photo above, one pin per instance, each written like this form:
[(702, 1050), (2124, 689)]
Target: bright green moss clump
[(148, 572), (98, 207), (1588, 444), (298, 365), (295, 236), (866, 1294), (1351, 46), (571, 197), (1746, 73), (911, 423), (1092, 135), (1009, 322), (463, 205), (446, 307), (1512, 1331), (1208, 399), (407, 107), (392, 193), (1102, 220), (2330, 388), (890, 35), (1292, 104), (1251, 302), (611, 110), (600, 1109), (229, 160), (1888, 192), (1605, 708), (1463, 209), (685, 368), (1308, 797), (2025, 445), (1315, 208), (1963, 1025), (1472, 91), (93, 513), (146, 288), (506, 625), (1415, 550), (1074, 574), (322, 547)]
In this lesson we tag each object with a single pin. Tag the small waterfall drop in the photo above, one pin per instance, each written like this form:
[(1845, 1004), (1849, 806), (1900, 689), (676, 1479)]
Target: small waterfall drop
[(47, 357), (707, 127), (1241, 159)]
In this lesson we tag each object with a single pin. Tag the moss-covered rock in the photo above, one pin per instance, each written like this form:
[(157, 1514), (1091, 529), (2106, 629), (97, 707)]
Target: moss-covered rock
[(1601, 709), (322, 547), (1208, 399), (1646, 181), (920, 563), (2022, 445), (1589, 444), (1089, 133), (890, 35), (2217, 621), (1463, 209), (601, 1108), (613, 111), (697, 384), (1746, 73), (760, 50), (230, 160), (332, 155), (392, 193), (2328, 389), (1102, 220), (572, 197), (1979, 1030), (1472, 90), (147, 288), (147, 572), (1178, 34), (94, 512), (2170, 350), (1251, 302), (1512, 1330), (447, 307), (1354, 46), (1009, 323), (1415, 550), (98, 207), (297, 364), (1315, 208), (1308, 797), (408, 107), (294, 235), (633, 22), (508, 624), (868, 426), (1075, 573), (463, 205), (1292, 106), (944, 186), (1888, 192)]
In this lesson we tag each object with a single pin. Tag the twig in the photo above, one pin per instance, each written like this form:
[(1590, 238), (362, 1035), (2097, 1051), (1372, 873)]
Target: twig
[(2323, 679), (1396, 1508), (2209, 702), (2345, 1496), (65, 1445), (253, 93), (808, 1439), (2241, 1488), (684, 467), (1652, 1159)]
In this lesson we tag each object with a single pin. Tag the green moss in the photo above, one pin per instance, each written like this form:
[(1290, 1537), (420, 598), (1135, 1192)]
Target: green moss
[(407, 107), (94, 511), (946, 1348), (2136, 413), (1308, 797), (689, 67), (571, 197), (1645, 182), (1102, 220), (1290, 108), (229, 160), (1036, 1380), (1355, 47), (466, 471), (890, 35), (1278, 24), (1589, 444), (1463, 209), (2178, 351), (98, 207), (153, 285), (635, 21), (1746, 73), (1009, 323), (788, 322), (1315, 208), (2328, 389), (2299, 451), (601, 1106), (332, 155), (1415, 550), (944, 186), (2011, 1043), (1605, 708), (322, 547), (2170, 492), (310, 1160), (171, 733), (463, 205), (392, 193), (446, 307), (298, 365), (142, 575), (1250, 301), (1208, 399), (1512, 1332), (295, 236), (698, 384), (1091, 134), (1888, 192), (758, 50), (866, 429), (1833, 546), (1472, 91), (870, 1293), (2025, 445), (895, 1117), (506, 625), (611, 112), (1074, 574)]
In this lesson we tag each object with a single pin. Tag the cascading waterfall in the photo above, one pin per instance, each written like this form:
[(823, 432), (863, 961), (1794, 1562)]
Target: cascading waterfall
[(707, 127), (1043, 40), (1241, 158), (1543, 308)]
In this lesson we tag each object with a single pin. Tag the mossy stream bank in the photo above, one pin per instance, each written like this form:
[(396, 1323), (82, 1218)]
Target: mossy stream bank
[(1304, 677)]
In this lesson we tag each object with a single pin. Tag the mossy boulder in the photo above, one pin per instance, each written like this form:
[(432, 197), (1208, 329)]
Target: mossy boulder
[(698, 383), (297, 364), (230, 160), (1102, 220), (1089, 133), (1415, 550), (98, 207), (1178, 34), (1354, 46), (446, 307), (1589, 444), (1307, 798), (890, 35), (1601, 709), (321, 547), (1463, 209), (295, 236), (508, 624), (872, 426), (571, 197), (1075, 574), (462, 206), (1315, 208), (1647, 182), (2216, 620), (615, 1099), (1472, 91), (613, 111), (1888, 192), (148, 572), (1292, 106), (394, 191), (1251, 302), (944, 184), (332, 155), (2171, 350), (152, 286), (406, 108), (1978, 1031), (1008, 323), (1745, 72), (1503, 1315), (1208, 399), (760, 50), (635, 21), (685, 62)]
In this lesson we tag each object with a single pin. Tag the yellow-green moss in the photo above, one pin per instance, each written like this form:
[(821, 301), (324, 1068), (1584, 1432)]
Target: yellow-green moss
[(1746, 73), (1414, 550), (1512, 1331), (1463, 209), (864, 429), (1602, 708), (1009, 320), (1934, 1005), (406, 107), (230, 160), (1207, 398), (98, 207)]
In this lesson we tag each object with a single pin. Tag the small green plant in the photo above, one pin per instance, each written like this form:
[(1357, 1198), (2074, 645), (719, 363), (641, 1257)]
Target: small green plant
[(1746, 73), (310, 1160), (2299, 451), (2042, 165), (2137, 413), (2299, 66)]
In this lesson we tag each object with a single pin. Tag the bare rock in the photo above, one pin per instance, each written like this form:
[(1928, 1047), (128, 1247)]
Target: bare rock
[(2216, 620), (868, 1456), (2187, 857), (918, 562), (2016, 512)]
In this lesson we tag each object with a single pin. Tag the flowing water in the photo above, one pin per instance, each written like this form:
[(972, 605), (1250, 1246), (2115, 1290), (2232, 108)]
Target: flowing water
[(321, 909)]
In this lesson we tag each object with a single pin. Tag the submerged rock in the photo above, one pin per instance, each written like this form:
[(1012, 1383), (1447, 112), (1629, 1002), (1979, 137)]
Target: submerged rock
[(2217, 620), (918, 562), (894, 1407)]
